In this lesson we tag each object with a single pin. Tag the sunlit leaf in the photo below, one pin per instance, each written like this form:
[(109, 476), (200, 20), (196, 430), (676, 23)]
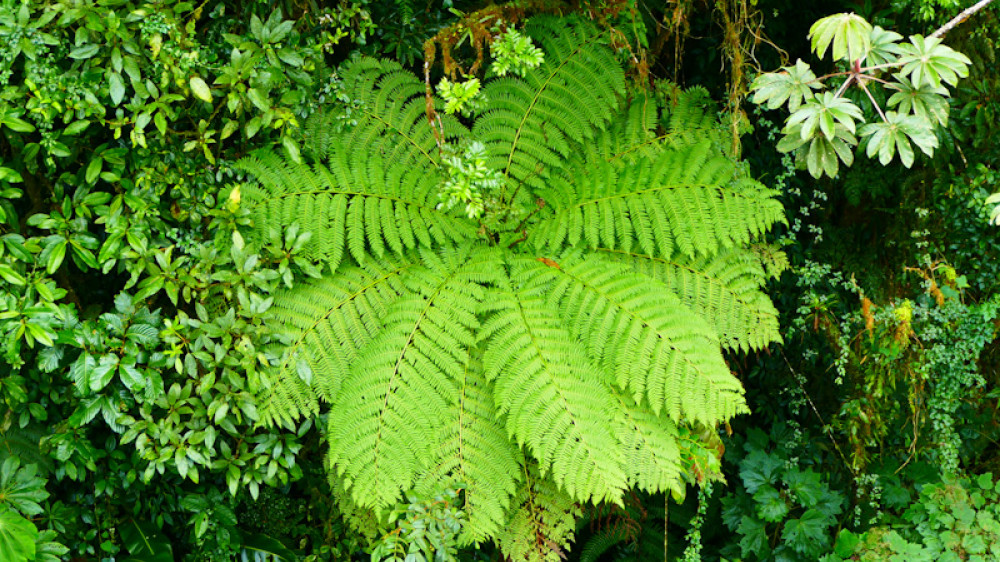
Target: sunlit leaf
[(926, 101), (849, 33), (883, 47), (894, 134), (926, 61), (823, 113)]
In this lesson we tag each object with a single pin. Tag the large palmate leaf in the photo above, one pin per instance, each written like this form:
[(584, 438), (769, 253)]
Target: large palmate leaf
[(823, 113), (849, 33), (17, 536), (794, 84), (895, 133), (926, 101), (926, 61), (884, 47), (21, 488)]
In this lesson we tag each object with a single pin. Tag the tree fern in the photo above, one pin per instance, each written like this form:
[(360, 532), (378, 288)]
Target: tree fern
[(546, 355)]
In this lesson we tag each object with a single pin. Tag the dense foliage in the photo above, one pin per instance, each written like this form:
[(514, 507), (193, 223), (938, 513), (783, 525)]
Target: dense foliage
[(458, 281)]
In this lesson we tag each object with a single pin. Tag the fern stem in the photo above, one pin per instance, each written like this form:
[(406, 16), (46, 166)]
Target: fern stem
[(666, 523)]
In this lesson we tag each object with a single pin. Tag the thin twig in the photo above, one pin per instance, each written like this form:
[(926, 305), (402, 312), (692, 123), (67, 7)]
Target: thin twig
[(843, 87), (960, 18), (815, 410), (875, 103)]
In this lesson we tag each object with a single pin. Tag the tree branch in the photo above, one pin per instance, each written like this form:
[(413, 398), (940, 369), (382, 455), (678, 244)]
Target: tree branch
[(960, 18)]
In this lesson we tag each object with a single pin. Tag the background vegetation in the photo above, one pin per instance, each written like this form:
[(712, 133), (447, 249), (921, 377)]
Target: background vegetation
[(155, 404)]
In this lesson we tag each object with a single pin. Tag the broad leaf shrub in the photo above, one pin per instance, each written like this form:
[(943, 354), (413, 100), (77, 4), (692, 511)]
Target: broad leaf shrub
[(956, 519)]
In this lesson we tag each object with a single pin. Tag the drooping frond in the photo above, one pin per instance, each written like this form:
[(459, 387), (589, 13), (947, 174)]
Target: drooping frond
[(394, 404), (652, 456), (659, 350), (324, 323), (541, 527), (682, 201), (725, 289), (554, 399), (533, 120), (476, 453)]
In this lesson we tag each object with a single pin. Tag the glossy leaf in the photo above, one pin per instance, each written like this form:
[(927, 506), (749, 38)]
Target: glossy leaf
[(17, 537)]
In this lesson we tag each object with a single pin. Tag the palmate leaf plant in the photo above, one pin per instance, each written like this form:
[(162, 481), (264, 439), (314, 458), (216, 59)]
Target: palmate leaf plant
[(545, 352), (825, 127)]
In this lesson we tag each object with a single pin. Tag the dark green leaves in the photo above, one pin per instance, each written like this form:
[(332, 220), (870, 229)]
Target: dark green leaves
[(145, 543)]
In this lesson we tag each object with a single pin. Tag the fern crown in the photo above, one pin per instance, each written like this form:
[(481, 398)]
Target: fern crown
[(547, 352)]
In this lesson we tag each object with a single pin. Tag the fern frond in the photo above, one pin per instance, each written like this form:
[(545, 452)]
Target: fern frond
[(24, 444), (725, 289), (682, 201), (541, 527), (690, 117), (553, 397), (394, 403), (475, 453), (532, 120), (324, 323), (658, 349), (361, 210), (389, 118), (652, 456)]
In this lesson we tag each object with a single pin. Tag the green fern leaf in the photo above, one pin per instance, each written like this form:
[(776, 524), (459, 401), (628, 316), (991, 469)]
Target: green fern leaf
[(394, 402), (325, 322), (542, 525), (725, 289), (652, 456), (532, 121), (659, 350), (475, 453), (554, 399), (683, 201)]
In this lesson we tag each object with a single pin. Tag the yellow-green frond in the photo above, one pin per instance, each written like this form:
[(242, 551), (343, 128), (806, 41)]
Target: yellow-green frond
[(553, 397), (323, 323), (475, 453), (726, 289), (661, 351), (532, 120), (394, 404)]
